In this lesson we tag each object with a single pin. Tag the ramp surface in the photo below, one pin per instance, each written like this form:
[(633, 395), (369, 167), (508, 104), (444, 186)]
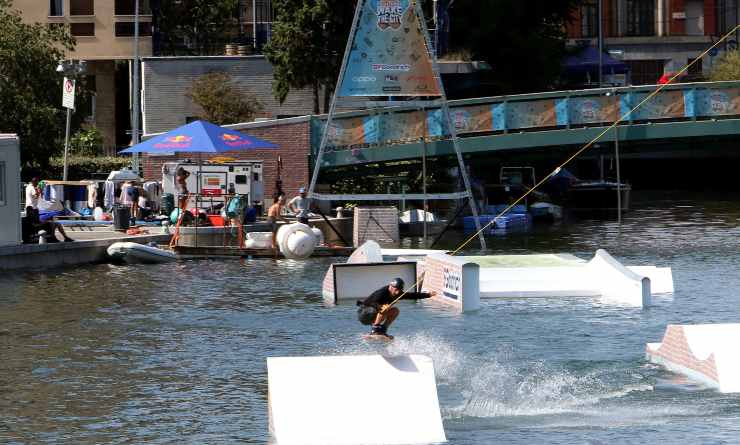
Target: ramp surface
[(347, 400), (705, 353)]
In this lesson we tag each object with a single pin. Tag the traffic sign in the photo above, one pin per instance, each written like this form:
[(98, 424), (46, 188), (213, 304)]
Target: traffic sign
[(68, 93)]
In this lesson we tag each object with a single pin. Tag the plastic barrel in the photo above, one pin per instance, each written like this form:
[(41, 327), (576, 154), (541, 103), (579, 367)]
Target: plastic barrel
[(121, 217), (167, 203)]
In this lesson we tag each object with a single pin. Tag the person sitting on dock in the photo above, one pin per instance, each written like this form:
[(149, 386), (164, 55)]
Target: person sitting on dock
[(31, 226), (378, 308), (273, 213), (299, 206)]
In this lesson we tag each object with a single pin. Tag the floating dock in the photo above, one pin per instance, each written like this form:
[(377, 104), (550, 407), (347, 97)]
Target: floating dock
[(705, 353), (370, 399), (229, 251)]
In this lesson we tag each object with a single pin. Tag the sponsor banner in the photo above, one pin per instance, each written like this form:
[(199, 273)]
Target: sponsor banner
[(591, 110), (666, 104), (452, 281), (717, 102), (531, 114), (388, 56)]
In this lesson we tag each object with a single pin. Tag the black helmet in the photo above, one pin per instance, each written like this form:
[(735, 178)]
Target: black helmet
[(397, 283)]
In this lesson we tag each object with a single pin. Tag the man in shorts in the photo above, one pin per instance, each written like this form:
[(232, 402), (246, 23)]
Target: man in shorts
[(378, 310), (273, 213)]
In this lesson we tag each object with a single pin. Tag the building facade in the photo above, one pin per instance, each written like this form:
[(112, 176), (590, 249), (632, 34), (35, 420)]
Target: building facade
[(657, 37), (104, 31)]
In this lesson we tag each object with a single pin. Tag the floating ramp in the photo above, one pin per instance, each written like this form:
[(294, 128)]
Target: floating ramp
[(705, 353), (462, 281), (350, 400)]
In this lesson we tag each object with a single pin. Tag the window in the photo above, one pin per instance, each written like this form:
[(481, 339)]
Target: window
[(126, 29), (2, 184), (82, 29), (589, 19), (81, 7), (56, 8), (126, 7), (645, 72), (640, 18)]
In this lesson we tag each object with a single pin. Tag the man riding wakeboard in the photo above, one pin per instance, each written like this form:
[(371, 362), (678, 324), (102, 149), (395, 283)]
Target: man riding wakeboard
[(378, 309)]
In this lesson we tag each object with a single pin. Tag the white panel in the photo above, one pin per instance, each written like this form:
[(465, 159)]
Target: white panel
[(353, 400), (358, 281)]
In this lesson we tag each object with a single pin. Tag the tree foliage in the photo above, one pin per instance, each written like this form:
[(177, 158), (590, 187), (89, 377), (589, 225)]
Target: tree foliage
[(222, 102), (307, 45), (86, 142), (727, 67), (196, 27), (30, 88), (524, 41), (84, 167)]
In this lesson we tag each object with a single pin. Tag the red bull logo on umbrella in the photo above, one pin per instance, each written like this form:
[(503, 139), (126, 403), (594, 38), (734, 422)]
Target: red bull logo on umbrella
[(178, 141), (234, 140), (390, 13)]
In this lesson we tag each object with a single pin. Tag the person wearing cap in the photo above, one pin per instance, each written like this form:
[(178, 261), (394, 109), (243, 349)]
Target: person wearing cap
[(377, 309), (299, 206)]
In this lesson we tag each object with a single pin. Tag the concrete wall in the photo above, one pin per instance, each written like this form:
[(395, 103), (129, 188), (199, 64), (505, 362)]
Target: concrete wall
[(166, 81), (10, 192), (292, 136)]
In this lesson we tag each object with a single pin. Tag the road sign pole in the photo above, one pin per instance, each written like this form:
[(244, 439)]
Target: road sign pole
[(66, 143), (68, 101)]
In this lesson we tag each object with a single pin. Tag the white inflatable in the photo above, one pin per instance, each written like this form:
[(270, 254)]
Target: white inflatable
[(258, 240), (139, 253), (296, 241), (319, 235)]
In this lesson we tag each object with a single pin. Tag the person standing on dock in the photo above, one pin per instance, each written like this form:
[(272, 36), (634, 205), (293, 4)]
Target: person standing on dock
[(378, 308), (32, 193), (181, 185), (273, 213), (299, 206)]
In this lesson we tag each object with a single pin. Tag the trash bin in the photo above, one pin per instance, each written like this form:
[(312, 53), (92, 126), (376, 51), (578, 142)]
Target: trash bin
[(167, 203), (121, 217)]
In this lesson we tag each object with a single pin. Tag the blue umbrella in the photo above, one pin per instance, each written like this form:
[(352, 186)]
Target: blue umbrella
[(199, 137)]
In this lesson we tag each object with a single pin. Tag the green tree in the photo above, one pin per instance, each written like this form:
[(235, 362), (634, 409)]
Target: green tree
[(222, 102), (307, 44), (196, 27), (30, 88), (86, 142), (727, 67), (524, 41)]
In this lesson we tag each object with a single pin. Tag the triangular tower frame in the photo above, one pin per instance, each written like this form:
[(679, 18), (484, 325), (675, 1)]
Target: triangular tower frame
[(441, 102)]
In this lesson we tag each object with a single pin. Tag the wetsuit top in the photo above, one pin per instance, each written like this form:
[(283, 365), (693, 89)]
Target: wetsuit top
[(383, 296)]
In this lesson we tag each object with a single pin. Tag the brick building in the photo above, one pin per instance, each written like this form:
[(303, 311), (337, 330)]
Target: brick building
[(166, 80), (292, 136), (657, 37)]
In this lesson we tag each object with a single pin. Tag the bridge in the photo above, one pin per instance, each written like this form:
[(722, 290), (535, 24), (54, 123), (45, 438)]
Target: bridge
[(527, 122)]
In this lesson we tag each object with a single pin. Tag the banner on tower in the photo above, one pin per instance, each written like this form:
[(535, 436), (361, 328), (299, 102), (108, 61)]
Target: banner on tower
[(389, 56)]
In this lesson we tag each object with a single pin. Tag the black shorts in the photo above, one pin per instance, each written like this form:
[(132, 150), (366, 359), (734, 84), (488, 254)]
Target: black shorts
[(273, 225)]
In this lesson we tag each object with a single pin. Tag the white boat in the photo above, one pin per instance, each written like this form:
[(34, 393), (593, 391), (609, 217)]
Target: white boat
[(139, 253)]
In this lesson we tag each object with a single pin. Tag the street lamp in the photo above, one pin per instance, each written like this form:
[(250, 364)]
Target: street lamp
[(71, 70)]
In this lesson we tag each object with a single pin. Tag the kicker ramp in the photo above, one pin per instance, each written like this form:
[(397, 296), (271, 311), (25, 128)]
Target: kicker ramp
[(350, 400), (551, 275), (706, 353)]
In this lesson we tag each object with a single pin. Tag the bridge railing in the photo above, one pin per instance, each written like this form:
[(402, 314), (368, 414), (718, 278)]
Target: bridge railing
[(529, 112)]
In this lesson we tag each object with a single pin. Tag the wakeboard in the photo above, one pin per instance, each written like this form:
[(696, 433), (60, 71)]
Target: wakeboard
[(378, 337)]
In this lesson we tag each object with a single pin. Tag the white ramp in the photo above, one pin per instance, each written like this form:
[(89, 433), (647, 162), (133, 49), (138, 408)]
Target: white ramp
[(706, 353), (350, 400)]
